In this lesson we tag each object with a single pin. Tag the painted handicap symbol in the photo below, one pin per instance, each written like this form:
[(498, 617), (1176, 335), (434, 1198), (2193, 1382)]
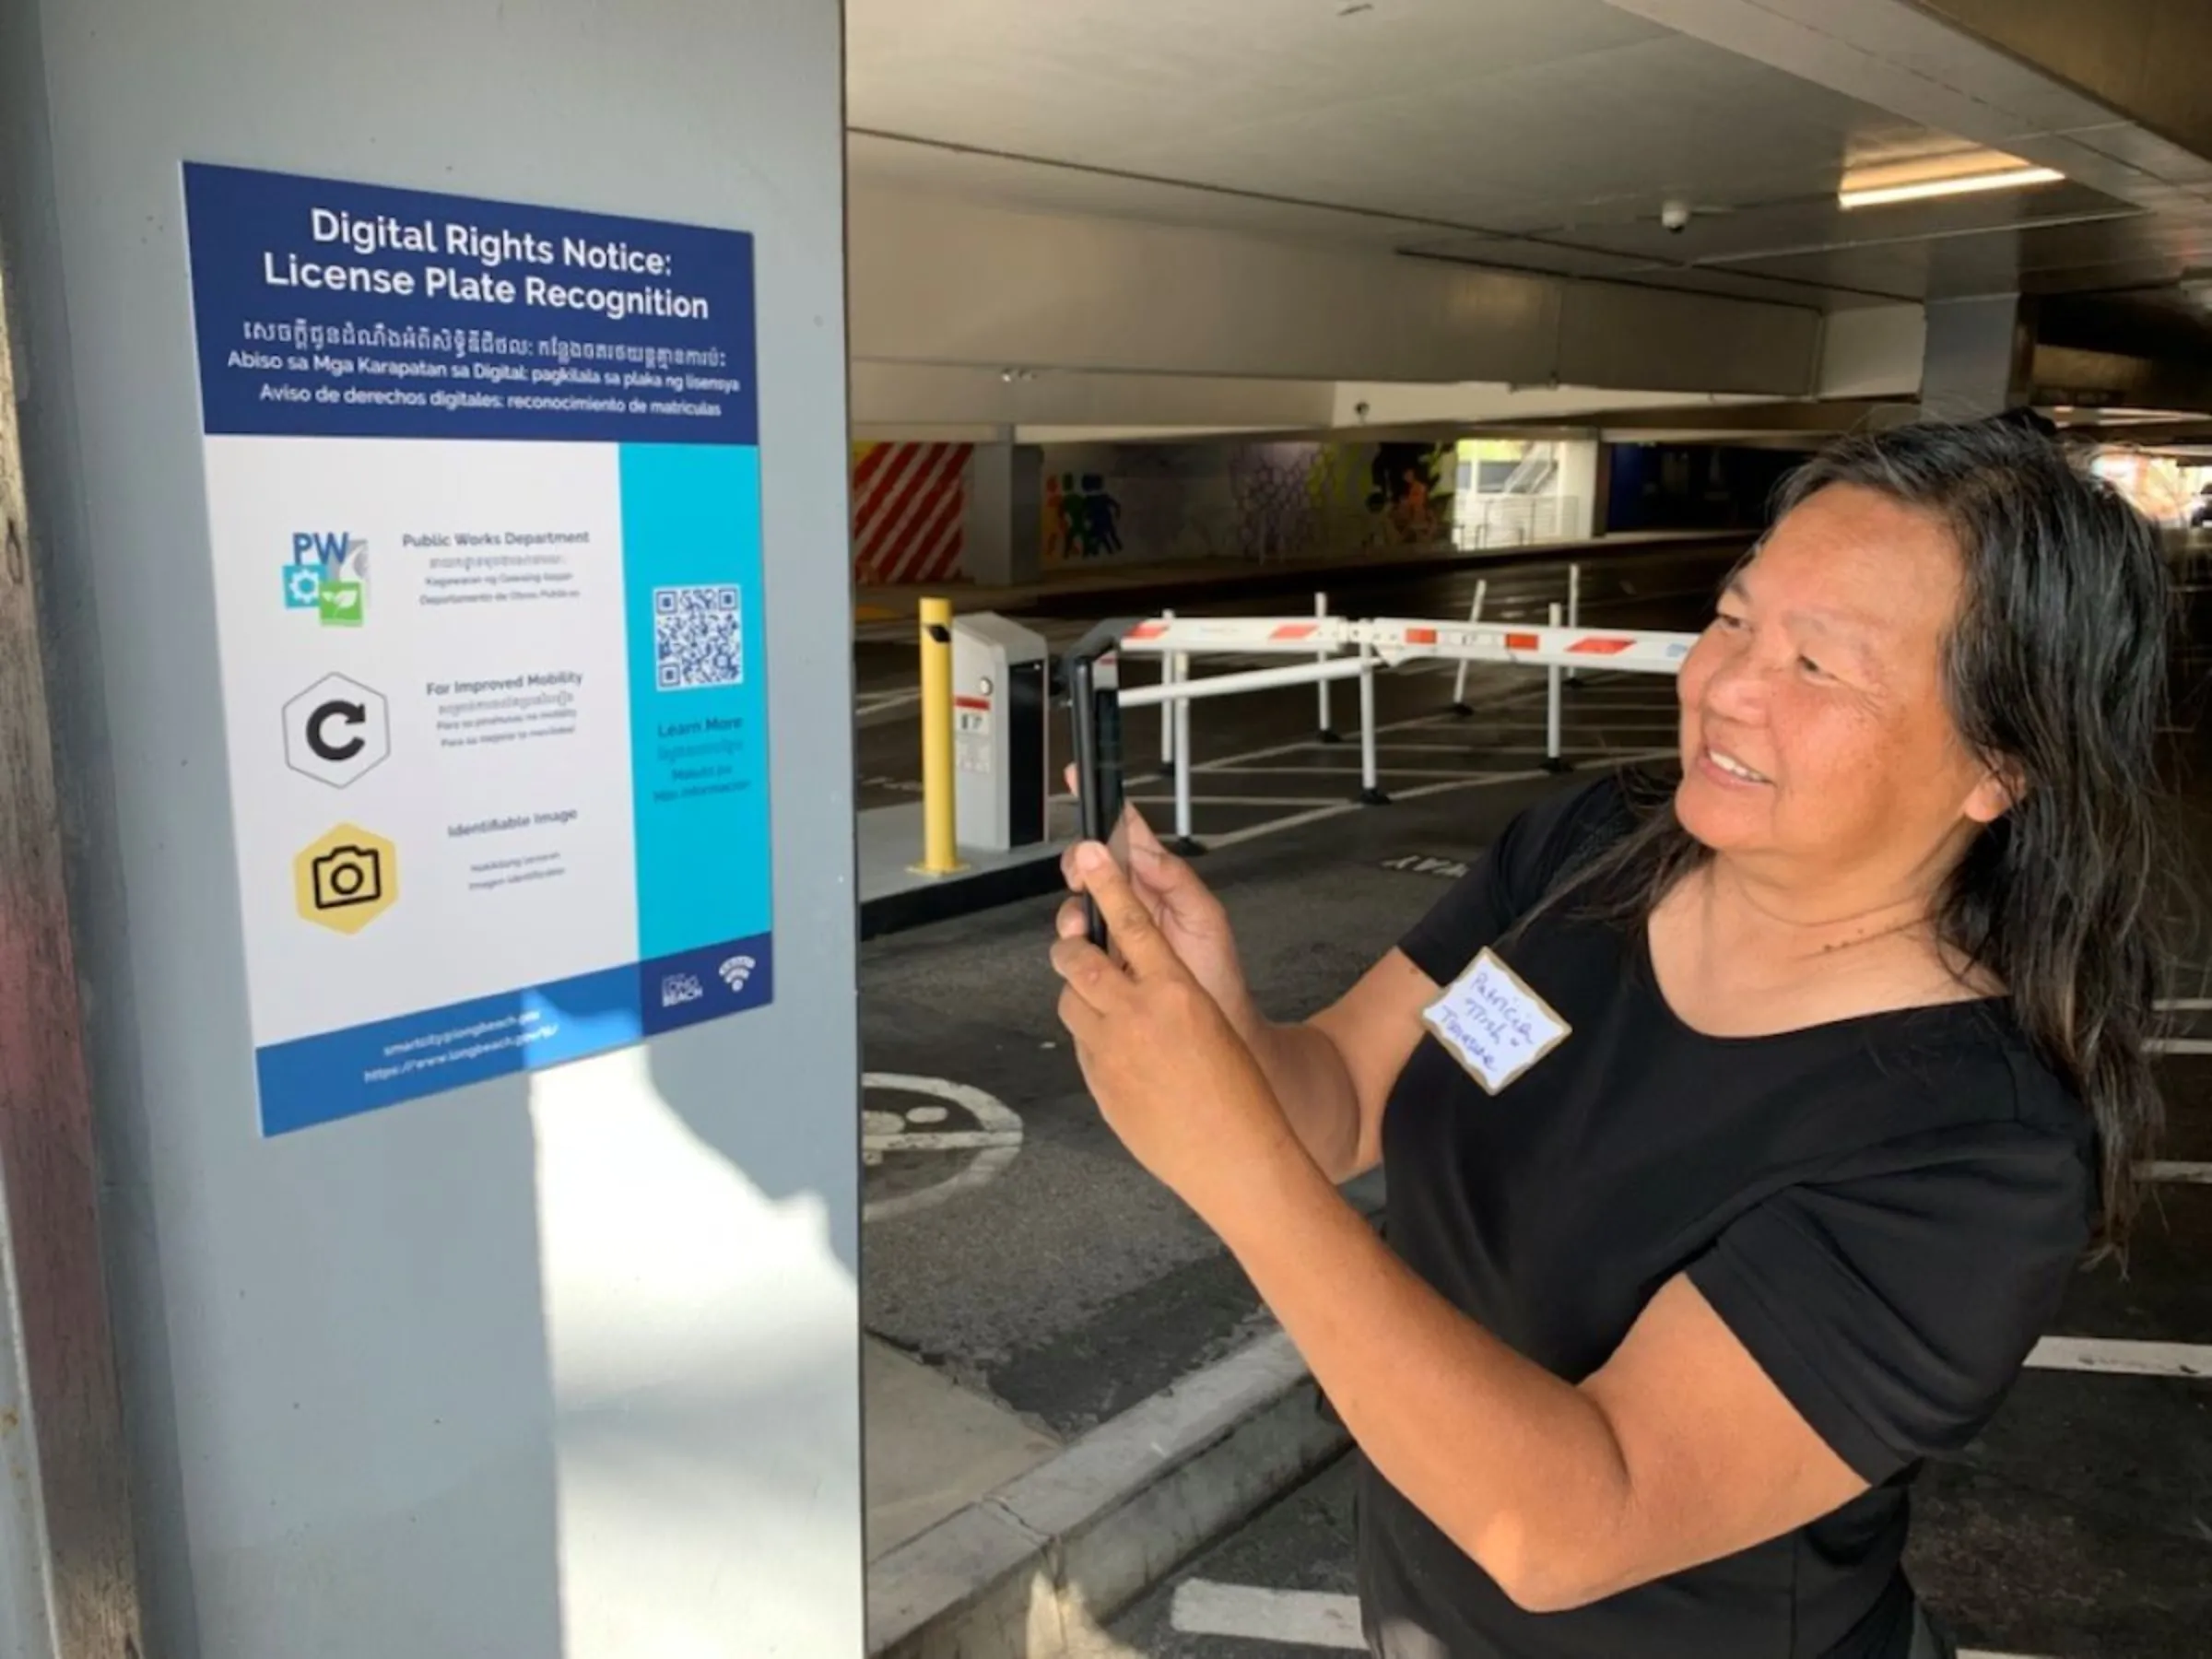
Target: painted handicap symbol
[(924, 1141)]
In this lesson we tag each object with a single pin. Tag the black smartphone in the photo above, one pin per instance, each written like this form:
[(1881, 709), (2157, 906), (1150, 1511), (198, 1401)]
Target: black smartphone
[(1094, 701)]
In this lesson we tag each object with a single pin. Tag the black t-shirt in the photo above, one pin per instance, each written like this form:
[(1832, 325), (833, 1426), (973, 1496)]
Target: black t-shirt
[(1883, 1209)]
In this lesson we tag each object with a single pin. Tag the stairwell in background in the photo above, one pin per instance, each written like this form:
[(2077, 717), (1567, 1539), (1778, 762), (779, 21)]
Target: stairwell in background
[(910, 512), (1514, 492)]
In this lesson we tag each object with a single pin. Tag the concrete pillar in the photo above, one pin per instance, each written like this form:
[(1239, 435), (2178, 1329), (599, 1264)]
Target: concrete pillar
[(1977, 358), (1004, 497), (1578, 487), (1025, 500), (466, 1354)]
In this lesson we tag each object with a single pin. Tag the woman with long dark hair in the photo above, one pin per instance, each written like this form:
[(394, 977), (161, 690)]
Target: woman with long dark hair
[(1740, 1134)]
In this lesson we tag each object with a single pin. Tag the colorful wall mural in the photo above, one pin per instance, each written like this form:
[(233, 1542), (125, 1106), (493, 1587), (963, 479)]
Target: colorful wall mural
[(910, 512), (1156, 503), (1412, 491), (1082, 518)]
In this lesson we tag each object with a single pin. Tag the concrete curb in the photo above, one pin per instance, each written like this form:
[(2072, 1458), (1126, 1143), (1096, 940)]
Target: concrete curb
[(1031, 1570)]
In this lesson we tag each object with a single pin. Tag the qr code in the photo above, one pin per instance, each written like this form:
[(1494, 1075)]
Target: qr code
[(697, 638)]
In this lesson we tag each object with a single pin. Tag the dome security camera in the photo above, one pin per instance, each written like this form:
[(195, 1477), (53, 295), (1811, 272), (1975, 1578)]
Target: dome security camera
[(1675, 216)]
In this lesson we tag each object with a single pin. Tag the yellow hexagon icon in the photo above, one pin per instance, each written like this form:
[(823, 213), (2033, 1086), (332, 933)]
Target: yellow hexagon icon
[(347, 880)]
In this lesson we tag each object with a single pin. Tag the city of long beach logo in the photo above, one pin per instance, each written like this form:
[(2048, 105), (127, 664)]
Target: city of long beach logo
[(329, 575)]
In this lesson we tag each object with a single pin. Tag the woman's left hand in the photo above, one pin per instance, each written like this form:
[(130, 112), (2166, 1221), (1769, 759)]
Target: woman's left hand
[(1170, 1073)]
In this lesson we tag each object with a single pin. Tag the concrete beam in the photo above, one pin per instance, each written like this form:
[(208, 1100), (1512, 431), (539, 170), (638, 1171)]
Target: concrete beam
[(1980, 354), (924, 400), (2143, 59), (2081, 377), (1905, 58), (1793, 420), (1874, 351), (1365, 405), (946, 281)]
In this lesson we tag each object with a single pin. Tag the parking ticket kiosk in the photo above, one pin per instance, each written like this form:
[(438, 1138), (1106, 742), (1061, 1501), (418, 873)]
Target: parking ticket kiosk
[(1000, 693)]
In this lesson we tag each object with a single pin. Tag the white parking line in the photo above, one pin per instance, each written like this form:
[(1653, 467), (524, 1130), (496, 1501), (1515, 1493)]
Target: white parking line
[(1300, 1617), (1505, 695), (2106, 1356), (1382, 771), (1632, 759), (1296, 821), (1199, 800), (1420, 791), (1321, 815), (1493, 738), (943, 1140), (1297, 746)]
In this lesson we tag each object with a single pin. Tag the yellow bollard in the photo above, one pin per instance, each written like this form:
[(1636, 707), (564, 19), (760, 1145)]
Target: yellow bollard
[(939, 852)]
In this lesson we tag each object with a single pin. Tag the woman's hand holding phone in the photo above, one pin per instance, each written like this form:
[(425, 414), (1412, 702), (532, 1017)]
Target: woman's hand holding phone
[(1188, 915)]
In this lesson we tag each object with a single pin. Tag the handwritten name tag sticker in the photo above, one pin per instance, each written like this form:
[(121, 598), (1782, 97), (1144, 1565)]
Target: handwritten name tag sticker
[(1493, 1024)]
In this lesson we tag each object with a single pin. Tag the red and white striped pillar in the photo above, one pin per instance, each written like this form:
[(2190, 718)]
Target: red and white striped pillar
[(910, 512)]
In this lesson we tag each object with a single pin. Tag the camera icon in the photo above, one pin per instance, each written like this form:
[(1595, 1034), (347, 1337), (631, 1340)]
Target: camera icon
[(348, 876), (345, 879)]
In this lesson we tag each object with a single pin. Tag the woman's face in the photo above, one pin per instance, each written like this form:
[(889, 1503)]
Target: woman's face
[(1815, 737)]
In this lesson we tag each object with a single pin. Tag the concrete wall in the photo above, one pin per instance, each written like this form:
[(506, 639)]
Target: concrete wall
[(1691, 486), (941, 280)]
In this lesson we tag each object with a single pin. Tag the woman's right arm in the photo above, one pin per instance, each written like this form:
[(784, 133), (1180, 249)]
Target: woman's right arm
[(1332, 1073)]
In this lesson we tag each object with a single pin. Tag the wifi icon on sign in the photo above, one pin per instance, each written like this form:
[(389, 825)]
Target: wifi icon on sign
[(734, 970)]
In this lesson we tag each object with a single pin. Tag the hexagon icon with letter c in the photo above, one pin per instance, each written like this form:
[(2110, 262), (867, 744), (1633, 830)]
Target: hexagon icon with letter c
[(346, 879), (336, 730)]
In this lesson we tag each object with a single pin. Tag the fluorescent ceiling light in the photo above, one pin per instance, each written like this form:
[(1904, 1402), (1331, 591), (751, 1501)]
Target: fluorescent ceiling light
[(1921, 189)]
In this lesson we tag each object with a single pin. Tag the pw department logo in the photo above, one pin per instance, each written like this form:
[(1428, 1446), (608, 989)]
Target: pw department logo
[(329, 575)]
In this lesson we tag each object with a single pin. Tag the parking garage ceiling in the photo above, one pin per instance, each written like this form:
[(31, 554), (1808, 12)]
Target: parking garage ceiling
[(1539, 135), (1549, 137)]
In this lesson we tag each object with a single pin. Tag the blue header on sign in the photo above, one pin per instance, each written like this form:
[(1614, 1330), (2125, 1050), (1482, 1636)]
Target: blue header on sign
[(351, 311)]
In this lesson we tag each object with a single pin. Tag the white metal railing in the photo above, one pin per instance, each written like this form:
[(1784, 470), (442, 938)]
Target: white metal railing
[(1510, 520)]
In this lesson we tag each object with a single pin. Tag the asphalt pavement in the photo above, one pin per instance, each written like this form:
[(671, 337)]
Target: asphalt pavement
[(1059, 1279)]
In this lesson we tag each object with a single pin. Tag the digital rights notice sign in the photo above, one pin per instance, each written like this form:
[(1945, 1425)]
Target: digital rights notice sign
[(483, 489)]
